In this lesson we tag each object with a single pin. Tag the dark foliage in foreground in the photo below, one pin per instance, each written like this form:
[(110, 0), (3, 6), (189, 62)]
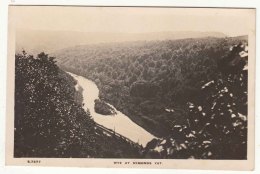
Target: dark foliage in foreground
[(216, 126), (49, 119)]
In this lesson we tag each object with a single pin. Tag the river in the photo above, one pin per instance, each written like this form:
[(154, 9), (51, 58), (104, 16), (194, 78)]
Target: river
[(118, 122)]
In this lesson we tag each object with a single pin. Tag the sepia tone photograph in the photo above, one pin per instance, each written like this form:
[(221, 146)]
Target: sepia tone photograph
[(131, 87)]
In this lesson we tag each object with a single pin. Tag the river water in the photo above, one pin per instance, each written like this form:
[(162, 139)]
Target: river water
[(118, 122)]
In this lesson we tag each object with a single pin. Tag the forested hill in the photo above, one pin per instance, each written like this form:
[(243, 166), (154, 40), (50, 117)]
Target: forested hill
[(35, 41), (150, 81), (49, 118)]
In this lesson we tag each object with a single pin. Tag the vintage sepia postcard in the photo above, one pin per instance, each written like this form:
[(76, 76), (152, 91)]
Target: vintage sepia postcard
[(124, 87)]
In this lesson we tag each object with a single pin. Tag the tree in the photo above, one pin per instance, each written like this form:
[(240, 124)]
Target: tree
[(216, 127), (144, 89)]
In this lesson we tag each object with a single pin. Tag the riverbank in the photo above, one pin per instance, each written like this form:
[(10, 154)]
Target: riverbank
[(120, 123)]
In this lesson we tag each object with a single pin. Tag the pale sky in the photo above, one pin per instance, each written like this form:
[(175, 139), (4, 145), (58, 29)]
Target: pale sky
[(232, 22)]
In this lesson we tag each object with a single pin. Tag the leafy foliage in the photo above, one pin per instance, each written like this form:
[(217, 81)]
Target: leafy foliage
[(103, 108), (216, 127), (49, 118)]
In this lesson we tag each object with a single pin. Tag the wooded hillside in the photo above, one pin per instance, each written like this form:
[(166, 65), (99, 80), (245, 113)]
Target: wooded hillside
[(149, 80), (49, 118)]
